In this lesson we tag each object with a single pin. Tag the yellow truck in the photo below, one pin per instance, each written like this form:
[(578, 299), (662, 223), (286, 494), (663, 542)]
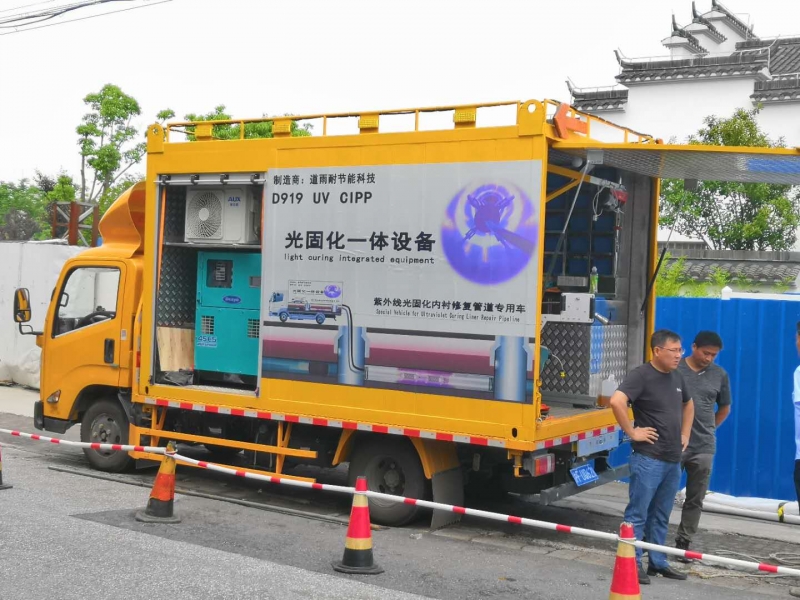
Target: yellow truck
[(436, 307)]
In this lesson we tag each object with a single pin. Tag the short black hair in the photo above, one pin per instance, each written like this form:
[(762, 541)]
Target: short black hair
[(708, 338), (662, 336)]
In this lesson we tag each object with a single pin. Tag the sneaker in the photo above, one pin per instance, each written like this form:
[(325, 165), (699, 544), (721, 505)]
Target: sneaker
[(682, 544), (643, 578), (667, 573)]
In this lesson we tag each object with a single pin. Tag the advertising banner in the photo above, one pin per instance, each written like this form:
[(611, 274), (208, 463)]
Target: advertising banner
[(403, 276)]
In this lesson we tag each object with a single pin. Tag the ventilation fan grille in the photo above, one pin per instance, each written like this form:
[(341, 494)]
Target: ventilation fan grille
[(204, 216), (253, 329)]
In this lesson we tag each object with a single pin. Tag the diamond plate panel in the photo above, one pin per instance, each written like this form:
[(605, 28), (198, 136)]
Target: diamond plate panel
[(609, 355), (571, 342), (590, 354), (177, 296), (175, 222)]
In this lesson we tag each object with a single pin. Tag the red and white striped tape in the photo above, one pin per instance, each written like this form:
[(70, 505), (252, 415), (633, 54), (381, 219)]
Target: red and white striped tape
[(418, 433), (493, 516), (92, 446), (600, 535)]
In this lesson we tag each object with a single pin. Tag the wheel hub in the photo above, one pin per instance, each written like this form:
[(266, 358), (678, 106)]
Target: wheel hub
[(105, 431)]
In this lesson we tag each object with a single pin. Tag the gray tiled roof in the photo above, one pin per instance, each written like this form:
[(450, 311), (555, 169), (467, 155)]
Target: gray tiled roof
[(690, 39), (733, 20), (738, 63), (784, 53), (700, 19), (600, 100), (764, 272)]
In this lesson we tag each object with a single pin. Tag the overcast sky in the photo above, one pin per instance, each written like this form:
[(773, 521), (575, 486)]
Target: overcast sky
[(306, 56)]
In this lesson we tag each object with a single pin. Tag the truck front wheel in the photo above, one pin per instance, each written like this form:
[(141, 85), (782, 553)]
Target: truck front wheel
[(391, 467), (106, 423)]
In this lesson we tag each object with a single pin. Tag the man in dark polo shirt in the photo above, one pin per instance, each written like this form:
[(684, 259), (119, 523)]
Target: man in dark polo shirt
[(663, 412), (711, 392)]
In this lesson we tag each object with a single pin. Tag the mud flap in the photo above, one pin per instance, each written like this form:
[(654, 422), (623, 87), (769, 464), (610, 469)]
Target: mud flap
[(448, 488)]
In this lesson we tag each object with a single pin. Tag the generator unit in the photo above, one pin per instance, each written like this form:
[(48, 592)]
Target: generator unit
[(221, 215), (227, 325)]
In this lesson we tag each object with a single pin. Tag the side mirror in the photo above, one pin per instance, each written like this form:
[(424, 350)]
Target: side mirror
[(22, 306), (22, 311)]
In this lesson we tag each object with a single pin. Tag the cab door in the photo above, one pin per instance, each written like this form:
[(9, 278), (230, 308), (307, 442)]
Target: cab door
[(83, 334)]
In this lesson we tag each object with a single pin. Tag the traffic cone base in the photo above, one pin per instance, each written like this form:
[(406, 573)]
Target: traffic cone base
[(3, 486), (625, 581), (357, 558), (160, 505)]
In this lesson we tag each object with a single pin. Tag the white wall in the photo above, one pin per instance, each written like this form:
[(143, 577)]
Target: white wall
[(678, 109), (35, 265)]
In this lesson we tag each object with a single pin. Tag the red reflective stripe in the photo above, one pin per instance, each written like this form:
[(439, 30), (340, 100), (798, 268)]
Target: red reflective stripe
[(409, 500), (358, 528), (211, 409), (349, 425), (237, 412), (322, 422), (54, 441), (16, 433), (275, 480), (694, 555), (582, 436), (240, 473), (549, 443), (264, 415), (460, 510), (36, 437), (515, 520), (138, 448), (380, 429), (95, 446), (161, 402), (479, 441), (768, 568), (116, 447), (411, 432), (445, 437), (292, 418), (564, 528)]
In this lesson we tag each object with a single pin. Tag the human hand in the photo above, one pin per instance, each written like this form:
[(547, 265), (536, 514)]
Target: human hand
[(684, 442), (645, 434)]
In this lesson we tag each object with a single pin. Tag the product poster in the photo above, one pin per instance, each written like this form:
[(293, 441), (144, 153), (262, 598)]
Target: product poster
[(412, 277)]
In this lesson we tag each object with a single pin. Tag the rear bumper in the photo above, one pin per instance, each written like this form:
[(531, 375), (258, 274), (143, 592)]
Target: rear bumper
[(43, 423), (566, 490)]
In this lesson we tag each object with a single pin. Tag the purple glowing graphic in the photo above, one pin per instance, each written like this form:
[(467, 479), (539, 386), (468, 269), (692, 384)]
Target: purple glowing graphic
[(333, 291), (489, 234)]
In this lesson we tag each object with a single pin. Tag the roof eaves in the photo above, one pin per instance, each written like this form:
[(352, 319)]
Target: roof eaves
[(733, 20)]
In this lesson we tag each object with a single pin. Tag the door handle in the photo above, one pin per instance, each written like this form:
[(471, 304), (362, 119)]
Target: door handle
[(108, 352)]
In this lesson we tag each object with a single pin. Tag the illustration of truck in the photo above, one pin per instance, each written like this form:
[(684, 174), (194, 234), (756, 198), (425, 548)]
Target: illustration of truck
[(309, 300)]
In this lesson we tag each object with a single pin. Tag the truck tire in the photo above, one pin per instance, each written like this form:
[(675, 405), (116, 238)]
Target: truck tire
[(391, 466), (284, 316), (105, 422), (320, 318)]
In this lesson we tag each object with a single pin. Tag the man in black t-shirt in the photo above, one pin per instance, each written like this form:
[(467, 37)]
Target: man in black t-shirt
[(663, 412)]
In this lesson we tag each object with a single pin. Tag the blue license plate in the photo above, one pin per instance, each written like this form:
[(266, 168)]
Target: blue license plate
[(584, 475)]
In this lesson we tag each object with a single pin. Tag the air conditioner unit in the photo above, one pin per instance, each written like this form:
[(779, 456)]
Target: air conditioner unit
[(221, 215)]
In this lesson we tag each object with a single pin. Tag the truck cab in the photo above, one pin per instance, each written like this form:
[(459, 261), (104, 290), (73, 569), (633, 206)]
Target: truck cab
[(87, 360)]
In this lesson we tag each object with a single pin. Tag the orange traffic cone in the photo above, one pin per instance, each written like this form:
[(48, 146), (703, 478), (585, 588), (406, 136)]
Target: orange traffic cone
[(625, 582), (2, 485), (357, 559), (159, 506)]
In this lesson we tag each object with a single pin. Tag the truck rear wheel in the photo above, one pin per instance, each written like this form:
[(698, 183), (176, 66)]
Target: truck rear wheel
[(106, 423), (391, 467)]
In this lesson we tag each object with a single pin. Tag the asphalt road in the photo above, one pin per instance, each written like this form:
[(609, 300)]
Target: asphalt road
[(73, 535)]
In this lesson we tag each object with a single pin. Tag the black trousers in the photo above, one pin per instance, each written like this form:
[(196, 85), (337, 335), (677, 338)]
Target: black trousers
[(797, 479)]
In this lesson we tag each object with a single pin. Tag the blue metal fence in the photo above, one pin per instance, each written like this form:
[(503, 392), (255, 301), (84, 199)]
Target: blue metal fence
[(755, 446)]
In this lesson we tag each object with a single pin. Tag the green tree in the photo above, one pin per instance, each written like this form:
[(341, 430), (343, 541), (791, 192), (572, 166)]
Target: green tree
[(107, 140), (728, 215), (24, 213), (233, 131)]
